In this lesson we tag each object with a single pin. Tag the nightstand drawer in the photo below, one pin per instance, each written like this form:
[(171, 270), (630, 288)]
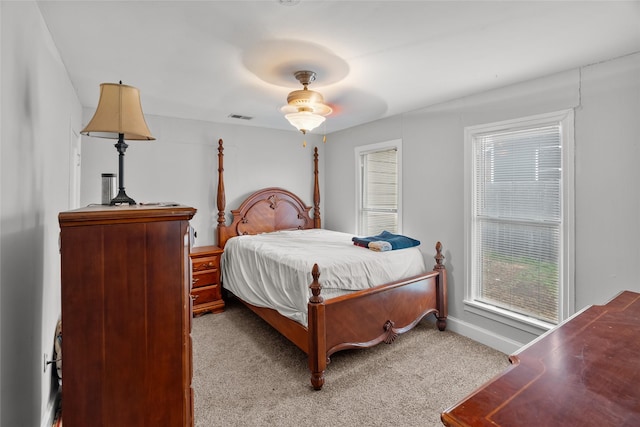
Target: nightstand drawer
[(205, 279), (203, 264), (205, 294)]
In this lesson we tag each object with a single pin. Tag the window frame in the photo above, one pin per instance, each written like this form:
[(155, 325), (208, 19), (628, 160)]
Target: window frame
[(371, 148), (566, 291)]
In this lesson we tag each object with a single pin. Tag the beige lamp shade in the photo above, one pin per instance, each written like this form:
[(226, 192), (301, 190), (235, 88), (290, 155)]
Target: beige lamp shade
[(119, 112)]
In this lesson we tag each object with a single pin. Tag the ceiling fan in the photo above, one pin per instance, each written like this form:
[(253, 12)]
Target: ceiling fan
[(305, 108)]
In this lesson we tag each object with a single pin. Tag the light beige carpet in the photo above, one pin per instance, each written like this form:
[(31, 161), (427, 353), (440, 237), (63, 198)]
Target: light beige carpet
[(246, 374)]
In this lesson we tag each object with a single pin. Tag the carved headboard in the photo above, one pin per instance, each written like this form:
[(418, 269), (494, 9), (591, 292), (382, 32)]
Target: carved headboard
[(269, 209)]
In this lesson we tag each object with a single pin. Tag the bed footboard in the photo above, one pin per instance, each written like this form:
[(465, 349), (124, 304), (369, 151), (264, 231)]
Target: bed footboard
[(366, 318)]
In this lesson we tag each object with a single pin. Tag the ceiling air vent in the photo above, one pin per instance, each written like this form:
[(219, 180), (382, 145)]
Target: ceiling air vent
[(240, 117)]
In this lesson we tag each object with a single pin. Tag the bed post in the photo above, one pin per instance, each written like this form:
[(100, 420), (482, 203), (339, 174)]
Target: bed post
[(316, 191), (317, 351), (441, 289), (220, 196)]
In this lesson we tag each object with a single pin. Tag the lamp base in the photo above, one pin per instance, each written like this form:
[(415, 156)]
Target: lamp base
[(122, 199)]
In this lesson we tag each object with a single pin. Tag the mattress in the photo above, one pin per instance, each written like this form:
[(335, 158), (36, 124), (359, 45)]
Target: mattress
[(274, 269)]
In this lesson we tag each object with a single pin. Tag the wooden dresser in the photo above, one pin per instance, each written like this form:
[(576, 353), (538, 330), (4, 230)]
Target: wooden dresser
[(584, 372), (206, 290), (126, 313)]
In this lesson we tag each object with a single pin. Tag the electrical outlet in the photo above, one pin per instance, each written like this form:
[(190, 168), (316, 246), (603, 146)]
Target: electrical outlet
[(46, 359)]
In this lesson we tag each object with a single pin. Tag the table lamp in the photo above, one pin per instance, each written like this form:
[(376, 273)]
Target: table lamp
[(119, 116)]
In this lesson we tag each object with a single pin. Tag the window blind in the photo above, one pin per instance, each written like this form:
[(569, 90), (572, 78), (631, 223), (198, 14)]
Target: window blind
[(518, 220), (379, 198)]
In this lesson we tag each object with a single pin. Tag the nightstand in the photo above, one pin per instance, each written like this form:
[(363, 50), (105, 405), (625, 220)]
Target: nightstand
[(206, 291)]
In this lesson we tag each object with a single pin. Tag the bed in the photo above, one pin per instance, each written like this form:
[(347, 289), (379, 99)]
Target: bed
[(338, 320)]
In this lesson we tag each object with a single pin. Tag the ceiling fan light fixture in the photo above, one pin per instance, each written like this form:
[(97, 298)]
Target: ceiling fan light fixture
[(305, 109), (305, 121)]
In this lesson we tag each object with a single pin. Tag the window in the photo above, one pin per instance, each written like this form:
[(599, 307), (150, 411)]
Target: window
[(378, 181), (519, 192)]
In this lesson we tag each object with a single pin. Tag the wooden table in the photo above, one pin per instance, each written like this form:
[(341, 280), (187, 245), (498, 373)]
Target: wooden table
[(585, 372)]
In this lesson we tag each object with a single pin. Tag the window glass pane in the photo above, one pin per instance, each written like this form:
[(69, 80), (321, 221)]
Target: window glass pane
[(381, 180), (518, 267), (379, 197), (518, 175), (518, 220), (375, 222)]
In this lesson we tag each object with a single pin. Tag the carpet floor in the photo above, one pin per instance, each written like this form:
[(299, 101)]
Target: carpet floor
[(246, 374)]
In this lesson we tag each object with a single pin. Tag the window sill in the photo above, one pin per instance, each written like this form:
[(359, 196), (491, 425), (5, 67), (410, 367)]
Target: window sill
[(518, 321)]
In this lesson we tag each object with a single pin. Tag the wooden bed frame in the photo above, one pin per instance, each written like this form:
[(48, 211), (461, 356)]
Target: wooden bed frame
[(357, 320)]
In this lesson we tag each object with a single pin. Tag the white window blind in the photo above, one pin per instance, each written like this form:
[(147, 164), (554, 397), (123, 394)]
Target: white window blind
[(378, 191), (517, 220)]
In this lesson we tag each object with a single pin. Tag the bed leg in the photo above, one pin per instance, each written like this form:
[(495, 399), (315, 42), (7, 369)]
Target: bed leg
[(441, 289), (317, 380), (317, 332)]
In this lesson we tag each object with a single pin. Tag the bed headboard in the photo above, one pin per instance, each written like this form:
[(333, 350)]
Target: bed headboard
[(268, 209)]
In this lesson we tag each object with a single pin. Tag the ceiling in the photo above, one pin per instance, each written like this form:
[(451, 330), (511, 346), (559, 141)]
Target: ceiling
[(207, 60)]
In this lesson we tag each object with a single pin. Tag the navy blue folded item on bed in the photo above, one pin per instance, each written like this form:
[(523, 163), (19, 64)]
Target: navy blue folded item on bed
[(397, 241)]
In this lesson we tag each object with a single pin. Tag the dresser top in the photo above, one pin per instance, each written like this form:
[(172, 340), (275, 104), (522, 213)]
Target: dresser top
[(102, 214), (584, 372)]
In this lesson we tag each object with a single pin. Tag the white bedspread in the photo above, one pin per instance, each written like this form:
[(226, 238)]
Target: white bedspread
[(274, 269)]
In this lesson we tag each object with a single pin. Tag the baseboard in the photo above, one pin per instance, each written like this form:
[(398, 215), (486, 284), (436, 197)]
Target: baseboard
[(483, 336)]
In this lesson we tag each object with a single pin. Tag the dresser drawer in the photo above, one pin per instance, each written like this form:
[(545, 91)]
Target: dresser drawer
[(205, 279)]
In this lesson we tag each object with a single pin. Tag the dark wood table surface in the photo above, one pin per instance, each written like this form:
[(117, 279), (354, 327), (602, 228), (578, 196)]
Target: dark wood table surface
[(584, 372)]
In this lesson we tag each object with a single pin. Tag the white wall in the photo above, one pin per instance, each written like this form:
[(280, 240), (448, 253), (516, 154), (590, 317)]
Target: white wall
[(1, 97), (39, 112), (181, 165), (608, 181), (606, 98)]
